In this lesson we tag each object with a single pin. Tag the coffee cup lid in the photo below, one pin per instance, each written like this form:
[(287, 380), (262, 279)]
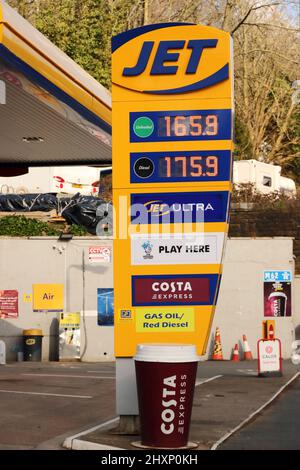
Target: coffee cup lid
[(166, 353), (277, 294)]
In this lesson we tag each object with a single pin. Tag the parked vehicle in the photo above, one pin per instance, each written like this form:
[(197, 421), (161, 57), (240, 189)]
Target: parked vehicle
[(57, 180), (266, 178)]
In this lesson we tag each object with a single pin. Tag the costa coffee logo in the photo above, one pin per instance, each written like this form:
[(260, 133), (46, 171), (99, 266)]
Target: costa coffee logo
[(172, 290), (276, 307), (178, 286), (169, 406), (173, 404)]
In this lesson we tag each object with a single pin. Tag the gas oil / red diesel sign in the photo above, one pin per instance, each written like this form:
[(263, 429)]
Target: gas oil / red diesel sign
[(172, 166)]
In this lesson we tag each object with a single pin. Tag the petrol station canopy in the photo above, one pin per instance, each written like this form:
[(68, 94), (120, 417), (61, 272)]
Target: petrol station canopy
[(52, 112)]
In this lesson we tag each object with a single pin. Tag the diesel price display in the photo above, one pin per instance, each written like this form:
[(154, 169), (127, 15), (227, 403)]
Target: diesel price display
[(192, 166), (159, 167), (160, 126)]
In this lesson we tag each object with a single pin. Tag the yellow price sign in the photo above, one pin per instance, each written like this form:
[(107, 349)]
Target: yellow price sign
[(172, 158)]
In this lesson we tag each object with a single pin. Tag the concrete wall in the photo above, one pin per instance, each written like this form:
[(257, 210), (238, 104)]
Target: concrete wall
[(265, 220), (240, 306), (25, 262)]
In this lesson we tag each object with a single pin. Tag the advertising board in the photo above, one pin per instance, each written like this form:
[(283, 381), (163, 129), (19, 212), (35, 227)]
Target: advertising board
[(269, 357), (172, 164), (277, 293), (9, 304)]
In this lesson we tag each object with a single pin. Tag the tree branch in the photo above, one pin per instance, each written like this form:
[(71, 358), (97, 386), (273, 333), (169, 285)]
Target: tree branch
[(253, 8), (270, 52), (267, 25), (242, 21)]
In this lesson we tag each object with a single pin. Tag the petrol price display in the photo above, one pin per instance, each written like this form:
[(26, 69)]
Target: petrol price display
[(156, 167), (194, 125), (180, 125)]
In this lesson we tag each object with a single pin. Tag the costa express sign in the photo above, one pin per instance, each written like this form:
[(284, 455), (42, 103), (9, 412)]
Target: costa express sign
[(167, 63), (173, 290)]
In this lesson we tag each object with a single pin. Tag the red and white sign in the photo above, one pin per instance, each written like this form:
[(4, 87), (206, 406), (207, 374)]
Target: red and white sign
[(100, 254), (269, 357), (9, 304)]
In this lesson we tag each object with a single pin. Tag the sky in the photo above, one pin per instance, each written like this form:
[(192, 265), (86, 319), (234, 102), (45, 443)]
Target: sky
[(293, 11)]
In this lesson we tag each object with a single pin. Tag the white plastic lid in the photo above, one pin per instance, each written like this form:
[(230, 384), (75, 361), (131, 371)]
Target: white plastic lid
[(166, 353), (277, 294)]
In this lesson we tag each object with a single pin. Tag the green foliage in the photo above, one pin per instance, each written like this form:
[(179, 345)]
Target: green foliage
[(78, 231), (126, 14), (20, 226), (243, 149), (82, 29)]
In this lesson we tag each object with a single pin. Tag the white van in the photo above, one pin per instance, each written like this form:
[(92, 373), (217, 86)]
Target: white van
[(266, 178), (57, 179)]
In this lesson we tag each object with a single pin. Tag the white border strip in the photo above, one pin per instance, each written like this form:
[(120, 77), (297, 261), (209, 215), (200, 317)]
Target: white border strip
[(201, 382), (78, 444), (45, 394), (234, 430), (72, 376), (68, 442)]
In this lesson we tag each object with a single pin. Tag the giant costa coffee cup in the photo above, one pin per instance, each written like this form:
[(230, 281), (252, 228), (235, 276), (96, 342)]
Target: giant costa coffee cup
[(278, 302), (166, 377)]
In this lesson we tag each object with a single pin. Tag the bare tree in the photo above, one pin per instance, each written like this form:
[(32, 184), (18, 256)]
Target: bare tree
[(266, 45)]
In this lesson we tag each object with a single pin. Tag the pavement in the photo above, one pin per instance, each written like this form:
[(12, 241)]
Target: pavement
[(41, 404), (44, 405), (275, 429), (226, 395)]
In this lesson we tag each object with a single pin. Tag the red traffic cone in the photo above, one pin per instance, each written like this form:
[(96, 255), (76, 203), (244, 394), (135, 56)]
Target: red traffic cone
[(247, 350), (217, 354), (235, 354)]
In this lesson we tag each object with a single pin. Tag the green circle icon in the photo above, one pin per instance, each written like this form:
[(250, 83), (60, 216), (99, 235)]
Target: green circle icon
[(143, 127)]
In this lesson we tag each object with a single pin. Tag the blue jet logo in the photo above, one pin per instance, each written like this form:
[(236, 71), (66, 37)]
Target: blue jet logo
[(164, 54)]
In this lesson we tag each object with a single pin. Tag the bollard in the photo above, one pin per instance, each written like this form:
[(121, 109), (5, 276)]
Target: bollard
[(2, 353)]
